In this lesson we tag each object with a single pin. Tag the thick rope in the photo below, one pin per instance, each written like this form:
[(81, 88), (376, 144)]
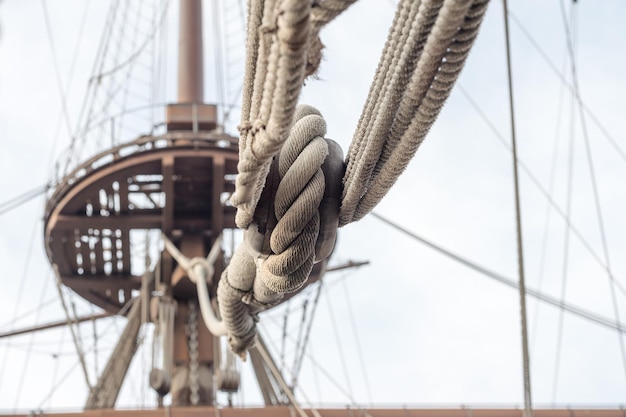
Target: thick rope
[(297, 201), (283, 48), (528, 406), (259, 275), (279, 70), (425, 51), (410, 87)]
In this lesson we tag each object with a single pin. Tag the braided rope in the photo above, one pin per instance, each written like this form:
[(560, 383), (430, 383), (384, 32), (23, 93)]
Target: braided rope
[(254, 282), (325, 11), (402, 107), (423, 56), (297, 200), (278, 77)]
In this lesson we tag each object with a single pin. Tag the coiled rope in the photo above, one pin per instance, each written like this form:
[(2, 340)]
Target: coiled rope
[(279, 198)]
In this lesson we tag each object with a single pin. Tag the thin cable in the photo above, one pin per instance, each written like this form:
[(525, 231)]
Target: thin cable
[(30, 344), (520, 249), (57, 72), (56, 364), (20, 293), (571, 308), (71, 327), (594, 182), (614, 143), (294, 377), (283, 340), (566, 240), (95, 344), (358, 344), (89, 98), (316, 365), (136, 52), (68, 85), (17, 201), (59, 383), (539, 186), (548, 211), (28, 313), (342, 357), (219, 59), (131, 64), (307, 334), (316, 378)]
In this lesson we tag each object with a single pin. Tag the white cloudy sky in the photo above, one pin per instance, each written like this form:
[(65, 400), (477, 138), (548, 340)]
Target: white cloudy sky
[(428, 330)]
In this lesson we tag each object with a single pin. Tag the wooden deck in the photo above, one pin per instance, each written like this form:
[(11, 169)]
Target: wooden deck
[(284, 411)]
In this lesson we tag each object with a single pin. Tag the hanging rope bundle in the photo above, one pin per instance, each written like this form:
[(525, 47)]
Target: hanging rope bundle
[(283, 48), (424, 54), (290, 203)]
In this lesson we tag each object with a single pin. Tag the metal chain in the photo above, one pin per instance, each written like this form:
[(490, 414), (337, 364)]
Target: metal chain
[(192, 332)]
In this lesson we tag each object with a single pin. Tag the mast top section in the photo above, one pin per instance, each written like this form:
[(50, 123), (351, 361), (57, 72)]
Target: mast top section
[(190, 56)]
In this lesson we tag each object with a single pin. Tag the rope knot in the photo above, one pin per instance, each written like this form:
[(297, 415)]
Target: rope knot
[(293, 226)]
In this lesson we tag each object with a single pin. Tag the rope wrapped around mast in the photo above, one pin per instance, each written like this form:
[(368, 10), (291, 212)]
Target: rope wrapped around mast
[(287, 203)]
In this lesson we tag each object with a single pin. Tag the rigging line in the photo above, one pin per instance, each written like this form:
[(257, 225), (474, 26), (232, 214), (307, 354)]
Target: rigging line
[(333, 322), (233, 98), (17, 201), (264, 346), (90, 93), (65, 376), (30, 344), (20, 293), (269, 363), (80, 353), (154, 69), (614, 143), (566, 242), (155, 29), (284, 336), (56, 363), (358, 343), (28, 313), (294, 378), (573, 309), (318, 366), (68, 85), (316, 378), (112, 89), (518, 223), (594, 182), (548, 217), (307, 334), (219, 58), (105, 120), (539, 186), (128, 74), (57, 72)]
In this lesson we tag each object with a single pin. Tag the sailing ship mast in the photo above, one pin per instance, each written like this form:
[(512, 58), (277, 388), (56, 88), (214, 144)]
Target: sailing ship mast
[(177, 241), (89, 219), (88, 224)]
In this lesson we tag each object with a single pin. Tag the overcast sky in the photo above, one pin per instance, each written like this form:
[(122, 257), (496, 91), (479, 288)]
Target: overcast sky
[(414, 327)]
